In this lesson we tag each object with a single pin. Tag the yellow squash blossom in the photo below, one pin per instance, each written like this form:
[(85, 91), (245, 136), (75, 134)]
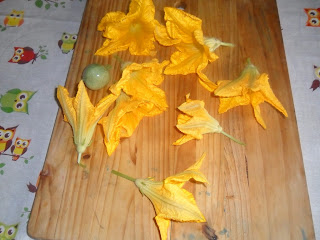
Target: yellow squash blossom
[(141, 81), (139, 96), (196, 121), (133, 31), (250, 88), (121, 121), (82, 115), (170, 200), (194, 50)]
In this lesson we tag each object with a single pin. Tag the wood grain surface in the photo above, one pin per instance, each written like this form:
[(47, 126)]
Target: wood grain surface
[(256, 192)]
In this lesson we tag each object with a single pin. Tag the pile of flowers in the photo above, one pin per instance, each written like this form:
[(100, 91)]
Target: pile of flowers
[(137, 94)]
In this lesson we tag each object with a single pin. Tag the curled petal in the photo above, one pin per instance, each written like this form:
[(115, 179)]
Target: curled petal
[(186, 60), (163, 225), (140, 81), (110, 47), (82, 115), (133, 31), (196, 121), (267, 94), (256, 109), (67, 106), (204, 80), (228, 103), (250, 87), (138, 96), (163, 37), (183, 139), (181, 25), (170, 201), (121, 121), (109, 18), (193, 172)]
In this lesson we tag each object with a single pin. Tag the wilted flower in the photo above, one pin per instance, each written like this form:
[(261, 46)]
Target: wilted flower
[(133, 31), (141, 81), (170, 201), (250, 87), (196, 121), (82, 115), (139, 96), (122, 120), (195, 51)]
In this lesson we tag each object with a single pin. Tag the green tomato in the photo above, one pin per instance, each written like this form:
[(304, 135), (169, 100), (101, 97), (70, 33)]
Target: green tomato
[(96, 76)]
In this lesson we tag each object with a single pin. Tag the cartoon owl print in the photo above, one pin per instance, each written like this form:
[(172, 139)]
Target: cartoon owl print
[(8, 232), (16, 100), (19, 148), (67, 42), (23, 55), (316, 83), (14, 19), (6, 136), (313, 17)]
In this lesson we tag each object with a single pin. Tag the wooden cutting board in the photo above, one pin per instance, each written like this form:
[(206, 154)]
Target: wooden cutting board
[(256, 192)]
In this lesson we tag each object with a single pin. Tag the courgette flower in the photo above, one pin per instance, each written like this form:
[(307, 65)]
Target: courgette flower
[(141, 81), (82, 115), (194, 50), (133, 31), (170, 200), (139, 96), (250, 87), (122, 120), (196, 121)]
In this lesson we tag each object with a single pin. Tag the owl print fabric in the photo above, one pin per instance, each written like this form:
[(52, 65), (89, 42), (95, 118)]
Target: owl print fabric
[(6, 136), (37, 42), (316, 82), (67, 42), (313, 15), (16, 100), (8, 232), (23, 55), (14, 19), (301, 35)]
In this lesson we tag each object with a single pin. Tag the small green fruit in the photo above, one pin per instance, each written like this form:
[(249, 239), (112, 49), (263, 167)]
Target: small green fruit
[(96, 76)]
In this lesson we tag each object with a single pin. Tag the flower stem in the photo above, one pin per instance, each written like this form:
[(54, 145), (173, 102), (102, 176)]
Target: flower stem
[(227, 44), (118, 58), (232, 138), (123, 175), (79, 158), (214, 43), (79, 161)]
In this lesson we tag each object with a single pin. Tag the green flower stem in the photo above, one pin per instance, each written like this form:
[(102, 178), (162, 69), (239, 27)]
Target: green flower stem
[(123, 175), (227, 44), (118, 58), (232, 138), (79, 158), (107, 67), (214, 43), (79, 161), (123, 64)]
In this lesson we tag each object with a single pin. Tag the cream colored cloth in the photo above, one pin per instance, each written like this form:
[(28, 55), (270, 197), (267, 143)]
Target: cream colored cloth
[(302, 52), (45, 66), (36, 30)]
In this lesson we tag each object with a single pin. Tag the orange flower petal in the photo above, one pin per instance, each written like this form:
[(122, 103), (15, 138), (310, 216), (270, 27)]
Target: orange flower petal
[(250, 87), (134, 31)]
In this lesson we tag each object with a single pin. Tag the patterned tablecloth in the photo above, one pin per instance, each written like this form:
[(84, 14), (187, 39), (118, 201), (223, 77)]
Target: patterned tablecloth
[(38, 29)]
